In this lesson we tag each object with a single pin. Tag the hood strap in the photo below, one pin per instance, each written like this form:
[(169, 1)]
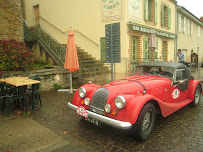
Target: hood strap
[(139, 83)]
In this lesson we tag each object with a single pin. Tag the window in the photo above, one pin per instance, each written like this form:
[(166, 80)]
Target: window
[(164, 50), (191, 28), (134, 48), (198, 32), (188, 28), (146, 53), (183, 24), (180, 25), (151, 11), (180, 75), (166, 16)]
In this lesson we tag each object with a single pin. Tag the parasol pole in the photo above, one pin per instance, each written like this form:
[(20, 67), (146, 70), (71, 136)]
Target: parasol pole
[(71, 87)]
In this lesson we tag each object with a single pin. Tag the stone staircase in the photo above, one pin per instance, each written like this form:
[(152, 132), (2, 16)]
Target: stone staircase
[(90, 68)]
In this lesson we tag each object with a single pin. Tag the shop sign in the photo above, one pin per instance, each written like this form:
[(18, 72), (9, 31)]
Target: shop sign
[(111, 10), (134, 11), (147, 30)]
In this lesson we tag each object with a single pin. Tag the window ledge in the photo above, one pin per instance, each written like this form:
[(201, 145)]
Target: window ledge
[(150, 23)]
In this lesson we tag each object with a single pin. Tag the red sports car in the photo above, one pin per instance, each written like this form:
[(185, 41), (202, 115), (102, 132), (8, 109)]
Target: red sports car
[(133, 102)]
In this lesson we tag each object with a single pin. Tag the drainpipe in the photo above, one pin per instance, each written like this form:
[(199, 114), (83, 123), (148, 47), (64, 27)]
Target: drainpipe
[(176, 31)]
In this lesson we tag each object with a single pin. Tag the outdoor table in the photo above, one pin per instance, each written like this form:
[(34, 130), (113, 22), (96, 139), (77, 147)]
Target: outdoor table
[(21, 84)]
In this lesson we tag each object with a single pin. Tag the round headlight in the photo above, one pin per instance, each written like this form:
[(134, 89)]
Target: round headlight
[(107, 108), (82, 92), (87, 101), (120, 102)]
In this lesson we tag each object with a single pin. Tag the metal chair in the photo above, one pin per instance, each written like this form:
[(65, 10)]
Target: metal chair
[(10, 97), (33, 92)]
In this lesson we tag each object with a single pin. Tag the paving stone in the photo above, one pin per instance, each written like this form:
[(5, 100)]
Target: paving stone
[(182, 131)]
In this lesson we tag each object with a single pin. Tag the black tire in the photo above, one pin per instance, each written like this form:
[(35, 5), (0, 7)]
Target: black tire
[(197, 97), (142, 129)]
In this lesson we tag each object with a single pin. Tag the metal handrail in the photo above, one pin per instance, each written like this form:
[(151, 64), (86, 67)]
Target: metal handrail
[(43, 35), (39, 33)]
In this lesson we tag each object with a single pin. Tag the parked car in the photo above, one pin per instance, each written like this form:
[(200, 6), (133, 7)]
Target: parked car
[(133, 102)]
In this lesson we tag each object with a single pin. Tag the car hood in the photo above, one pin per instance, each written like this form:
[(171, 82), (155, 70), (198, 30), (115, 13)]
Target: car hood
[(136, 84)]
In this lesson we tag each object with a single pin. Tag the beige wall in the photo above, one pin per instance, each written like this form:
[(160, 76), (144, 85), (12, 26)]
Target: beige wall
[(87, 19), (187, 42)]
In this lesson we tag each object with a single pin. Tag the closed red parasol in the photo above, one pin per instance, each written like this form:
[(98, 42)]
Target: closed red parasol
[(71, 59)]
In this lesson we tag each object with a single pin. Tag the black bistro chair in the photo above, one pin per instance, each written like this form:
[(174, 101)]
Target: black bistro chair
[(33, 92), (7, 98)]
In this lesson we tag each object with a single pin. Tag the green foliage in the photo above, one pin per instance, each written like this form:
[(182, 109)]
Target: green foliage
[(15, 56), (57, 86), (38, 66)]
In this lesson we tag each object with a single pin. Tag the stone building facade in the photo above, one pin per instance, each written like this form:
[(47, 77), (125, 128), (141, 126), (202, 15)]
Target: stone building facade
[(11, 20)]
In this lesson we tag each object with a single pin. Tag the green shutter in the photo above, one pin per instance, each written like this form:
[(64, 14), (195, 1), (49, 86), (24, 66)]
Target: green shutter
[(156, 12), (146, 10), (134, 48), (103, 49), (169, 17), (145, 54), (162, 15)]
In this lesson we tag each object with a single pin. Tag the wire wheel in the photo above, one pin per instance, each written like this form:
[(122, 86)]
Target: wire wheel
[(197, 96), (145, 123)]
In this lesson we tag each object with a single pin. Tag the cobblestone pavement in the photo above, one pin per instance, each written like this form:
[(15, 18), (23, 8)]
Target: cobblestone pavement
[(182, 131)]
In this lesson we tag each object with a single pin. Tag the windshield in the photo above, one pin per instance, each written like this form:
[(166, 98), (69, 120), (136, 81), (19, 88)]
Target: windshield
[(155, 70)]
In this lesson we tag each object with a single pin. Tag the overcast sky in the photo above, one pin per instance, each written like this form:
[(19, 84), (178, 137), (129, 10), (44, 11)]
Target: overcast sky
[(194, 6)]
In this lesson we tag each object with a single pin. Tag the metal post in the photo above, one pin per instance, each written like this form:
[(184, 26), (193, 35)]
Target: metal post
[(71, 87), (111, 54), (199, 71), (95, 79)]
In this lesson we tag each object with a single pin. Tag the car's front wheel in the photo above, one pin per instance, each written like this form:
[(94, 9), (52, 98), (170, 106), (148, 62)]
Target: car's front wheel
[(145, 122), (197, 96)]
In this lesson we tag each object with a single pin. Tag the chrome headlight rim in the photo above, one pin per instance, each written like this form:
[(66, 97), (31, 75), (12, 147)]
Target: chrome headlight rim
[(87, 101), (107, 108), (120, 102), (82, 92)]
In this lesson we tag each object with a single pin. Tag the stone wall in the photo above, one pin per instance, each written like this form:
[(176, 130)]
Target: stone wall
[(52, 77), (11, 25)]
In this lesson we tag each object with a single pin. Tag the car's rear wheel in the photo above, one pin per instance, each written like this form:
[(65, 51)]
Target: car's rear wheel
[(145, 122), (197, 96)]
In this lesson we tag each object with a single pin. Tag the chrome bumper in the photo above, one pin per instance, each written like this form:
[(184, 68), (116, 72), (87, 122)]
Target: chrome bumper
[(104, 119)]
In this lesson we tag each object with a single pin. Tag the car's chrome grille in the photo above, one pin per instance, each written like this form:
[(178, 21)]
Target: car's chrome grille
[(99, 100)]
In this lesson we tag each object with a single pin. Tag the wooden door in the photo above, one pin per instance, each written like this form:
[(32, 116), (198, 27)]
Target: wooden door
[(36, 14)]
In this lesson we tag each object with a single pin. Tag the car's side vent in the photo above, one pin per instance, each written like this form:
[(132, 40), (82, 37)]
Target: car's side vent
[(99, 100)]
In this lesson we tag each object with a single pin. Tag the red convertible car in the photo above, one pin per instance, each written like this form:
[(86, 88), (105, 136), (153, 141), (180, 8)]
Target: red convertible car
[(133, 102)]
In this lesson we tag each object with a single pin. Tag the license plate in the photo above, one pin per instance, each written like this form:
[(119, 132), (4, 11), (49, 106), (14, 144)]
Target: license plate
[(93, 121), (82, 111)]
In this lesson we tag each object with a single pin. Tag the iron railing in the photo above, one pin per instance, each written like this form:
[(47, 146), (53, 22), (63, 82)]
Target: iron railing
[(40, 34)]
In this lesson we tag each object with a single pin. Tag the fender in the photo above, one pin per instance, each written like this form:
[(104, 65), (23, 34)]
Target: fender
[(192, 87), (132, 110), (89, 89)]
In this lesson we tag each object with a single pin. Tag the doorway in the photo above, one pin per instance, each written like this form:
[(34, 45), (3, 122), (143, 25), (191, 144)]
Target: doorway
[(36, 14)]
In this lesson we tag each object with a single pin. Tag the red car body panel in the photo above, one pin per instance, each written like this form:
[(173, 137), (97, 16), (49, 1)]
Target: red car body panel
[(159, 89)]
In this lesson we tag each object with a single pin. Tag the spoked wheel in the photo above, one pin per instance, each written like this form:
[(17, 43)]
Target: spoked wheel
[(197, 97), (145, 122)]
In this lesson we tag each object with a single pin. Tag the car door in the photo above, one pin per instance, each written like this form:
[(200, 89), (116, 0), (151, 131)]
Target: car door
[(179, 89)]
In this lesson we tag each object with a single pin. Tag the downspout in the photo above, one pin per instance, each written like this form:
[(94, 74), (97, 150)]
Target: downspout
[(176, 31)]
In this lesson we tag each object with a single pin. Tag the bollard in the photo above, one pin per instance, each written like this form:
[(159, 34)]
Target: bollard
[(199, 71)]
